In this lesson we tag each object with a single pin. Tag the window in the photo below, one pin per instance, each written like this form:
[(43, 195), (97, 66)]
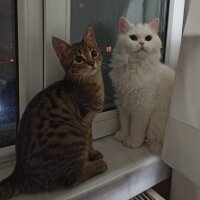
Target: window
[(8, 72), (38, 66)]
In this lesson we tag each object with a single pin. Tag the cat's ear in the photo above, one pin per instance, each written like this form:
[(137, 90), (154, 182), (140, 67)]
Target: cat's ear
[(124, 25), (154, 25), (60, 47), (89, 36)]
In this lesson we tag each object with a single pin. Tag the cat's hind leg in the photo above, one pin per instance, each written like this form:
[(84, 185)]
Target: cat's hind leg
[(123, 132), (90, 169)]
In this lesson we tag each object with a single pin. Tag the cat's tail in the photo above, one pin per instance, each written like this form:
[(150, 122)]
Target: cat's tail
[(8, 188)]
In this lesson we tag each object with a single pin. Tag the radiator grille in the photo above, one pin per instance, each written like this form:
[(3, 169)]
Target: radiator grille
[(148, 195)]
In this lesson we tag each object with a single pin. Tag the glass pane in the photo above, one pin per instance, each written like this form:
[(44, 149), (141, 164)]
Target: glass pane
[(8, 73), (104, 16)]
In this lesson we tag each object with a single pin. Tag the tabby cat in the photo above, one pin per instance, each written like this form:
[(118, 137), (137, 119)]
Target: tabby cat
[(54, 143)]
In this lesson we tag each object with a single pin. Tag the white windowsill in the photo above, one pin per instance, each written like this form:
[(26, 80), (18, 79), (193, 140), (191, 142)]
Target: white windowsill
[(130, 172)]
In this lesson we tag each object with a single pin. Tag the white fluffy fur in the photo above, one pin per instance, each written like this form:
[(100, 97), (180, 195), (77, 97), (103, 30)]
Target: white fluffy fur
[(143, 86)]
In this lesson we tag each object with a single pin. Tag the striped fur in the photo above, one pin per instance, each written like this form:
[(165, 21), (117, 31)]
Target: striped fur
[(54, 143)]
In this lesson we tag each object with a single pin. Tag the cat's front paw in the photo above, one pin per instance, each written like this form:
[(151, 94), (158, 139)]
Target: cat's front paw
[(101, 166), (156, 148), (119, 136), (133, 142), (95, 155)]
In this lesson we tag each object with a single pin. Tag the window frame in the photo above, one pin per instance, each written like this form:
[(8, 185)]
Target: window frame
[(174, 32), (30, 29), (31, 46)]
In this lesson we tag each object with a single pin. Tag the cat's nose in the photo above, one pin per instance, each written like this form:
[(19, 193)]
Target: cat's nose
[(90, 62), (141, 43)]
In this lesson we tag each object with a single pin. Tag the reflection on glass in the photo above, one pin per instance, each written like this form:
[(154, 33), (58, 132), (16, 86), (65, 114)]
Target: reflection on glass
[(8, 79), (104, 16)]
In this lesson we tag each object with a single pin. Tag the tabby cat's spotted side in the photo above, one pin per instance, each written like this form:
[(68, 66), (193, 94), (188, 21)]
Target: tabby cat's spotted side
[(54, 143)]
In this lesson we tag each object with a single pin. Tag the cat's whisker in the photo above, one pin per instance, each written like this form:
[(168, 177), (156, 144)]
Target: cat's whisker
[(105, 66)]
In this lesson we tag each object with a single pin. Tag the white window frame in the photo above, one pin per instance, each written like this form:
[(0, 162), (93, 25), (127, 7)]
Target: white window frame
[(30, 51), (174, 32), (32, 59)]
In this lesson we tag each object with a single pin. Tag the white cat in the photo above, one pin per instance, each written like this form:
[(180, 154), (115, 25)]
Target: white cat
[(143, 85)]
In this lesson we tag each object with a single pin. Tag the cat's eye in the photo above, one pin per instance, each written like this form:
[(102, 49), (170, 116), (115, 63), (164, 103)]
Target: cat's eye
[(79, 59), (94, 53), (133, 37), (148, 37)]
